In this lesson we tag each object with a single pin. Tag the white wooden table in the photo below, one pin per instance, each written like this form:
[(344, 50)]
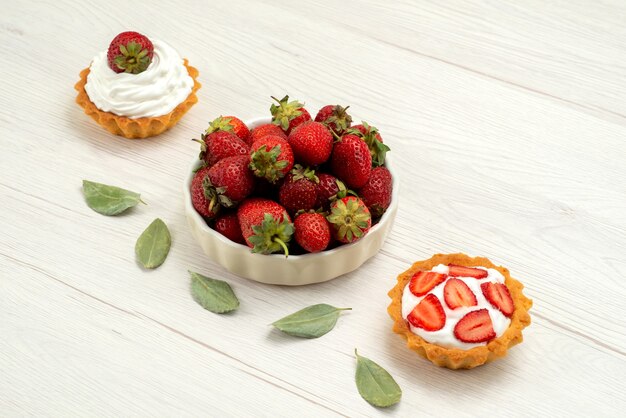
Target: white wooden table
[(507, 121)]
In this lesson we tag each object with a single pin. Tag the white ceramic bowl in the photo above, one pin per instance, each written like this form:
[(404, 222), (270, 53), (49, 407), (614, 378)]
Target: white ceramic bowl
[(294, 270)]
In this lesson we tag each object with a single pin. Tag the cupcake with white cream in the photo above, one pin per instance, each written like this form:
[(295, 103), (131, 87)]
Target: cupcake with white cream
[(137, 88)]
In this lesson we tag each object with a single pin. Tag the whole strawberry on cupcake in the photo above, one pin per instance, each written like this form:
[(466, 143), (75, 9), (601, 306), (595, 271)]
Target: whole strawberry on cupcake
[(138, 87)]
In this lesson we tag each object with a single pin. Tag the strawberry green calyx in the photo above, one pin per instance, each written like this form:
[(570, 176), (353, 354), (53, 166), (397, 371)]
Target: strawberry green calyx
[(264, 163), (343, 191), (298, 173), (220, 124), (215, 196), (202, 143), (285, 111), (272, 235), (378, 150), (133, 58), (350, 219), (318, 210), (339, 118)]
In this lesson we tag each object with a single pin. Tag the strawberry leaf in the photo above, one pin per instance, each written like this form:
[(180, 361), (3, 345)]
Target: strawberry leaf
[(153, 244), (375, 384), (109, 200), (213, 295), (311, 322)]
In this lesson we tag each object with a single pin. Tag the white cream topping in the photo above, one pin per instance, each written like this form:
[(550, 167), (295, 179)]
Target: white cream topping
[(445, 336), (154, 92)]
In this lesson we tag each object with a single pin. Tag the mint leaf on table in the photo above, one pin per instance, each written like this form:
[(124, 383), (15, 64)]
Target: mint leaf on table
[(108, 200), (375, 384), (213, 295), (311, 322), (153, 244)]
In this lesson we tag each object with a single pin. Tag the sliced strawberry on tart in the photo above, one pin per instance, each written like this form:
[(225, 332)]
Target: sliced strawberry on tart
[(456, 294), (423, 282), (459, 311), (499, 296), (428, 314)]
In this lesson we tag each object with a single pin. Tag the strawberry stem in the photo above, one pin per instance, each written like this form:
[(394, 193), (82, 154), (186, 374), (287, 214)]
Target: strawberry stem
[(212, 203), (282, 244)]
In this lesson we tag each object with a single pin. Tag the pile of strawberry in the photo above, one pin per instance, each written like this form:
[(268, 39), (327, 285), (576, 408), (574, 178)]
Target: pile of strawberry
[(319, 183), (473, 327)]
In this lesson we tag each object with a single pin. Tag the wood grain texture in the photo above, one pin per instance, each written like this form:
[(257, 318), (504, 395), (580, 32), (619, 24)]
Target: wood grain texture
[(506, 120)]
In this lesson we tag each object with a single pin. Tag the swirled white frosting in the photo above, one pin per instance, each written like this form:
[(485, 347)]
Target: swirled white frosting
[(445, 336), (153, 92)]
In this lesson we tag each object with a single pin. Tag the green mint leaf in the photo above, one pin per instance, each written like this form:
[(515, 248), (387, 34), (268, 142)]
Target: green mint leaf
[(153, 244), (213, 295), (108, 200), (375, 384), (311, 322)]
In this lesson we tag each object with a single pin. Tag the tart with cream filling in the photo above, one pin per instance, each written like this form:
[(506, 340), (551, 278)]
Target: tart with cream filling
[(457, 311)]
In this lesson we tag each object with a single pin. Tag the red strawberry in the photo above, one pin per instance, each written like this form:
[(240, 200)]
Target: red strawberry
[(351, 161), (462, 271), (265, 225), (428, 314), (220, 144), (229, 181), (335, 118), (288, 114), (377, 191), (299, 190), (271, 158), (350, 219), (423, 282), (329, 188), (499, 296), (230, 124), (456, 294), (265, 130), (312, 143), (203, 204), (475, 327), (374, 142), (130, 52), (312, 232), (228, 225)]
